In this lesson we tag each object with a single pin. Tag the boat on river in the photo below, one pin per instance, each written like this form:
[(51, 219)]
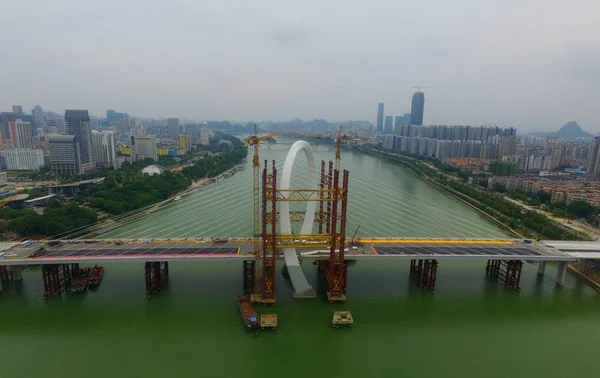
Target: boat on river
[(79, 284), (96, 276), (248, 313)]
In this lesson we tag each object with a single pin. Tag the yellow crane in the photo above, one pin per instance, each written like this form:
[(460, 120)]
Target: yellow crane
[(338, 141), (255, 140)]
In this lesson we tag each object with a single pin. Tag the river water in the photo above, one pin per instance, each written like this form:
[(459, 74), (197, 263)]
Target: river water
[(469, 327)]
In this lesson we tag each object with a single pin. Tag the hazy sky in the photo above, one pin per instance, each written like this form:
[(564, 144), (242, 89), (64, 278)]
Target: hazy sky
[(533, 64)]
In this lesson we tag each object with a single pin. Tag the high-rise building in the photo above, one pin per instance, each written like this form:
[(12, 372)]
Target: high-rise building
[(593, 161), (78, 124), (23, 159), (402, 120), (380, 117), (17, 109), (6, 117), (204, 134), (143, 147), (185, 142), (417, 108), (389, 125), (173, 128), (20, 134), (37, 119), (65, 155), (192, 129), (104, 147)]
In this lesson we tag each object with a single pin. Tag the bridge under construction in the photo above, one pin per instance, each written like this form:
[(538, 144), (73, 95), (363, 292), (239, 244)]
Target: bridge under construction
[(322, 239)]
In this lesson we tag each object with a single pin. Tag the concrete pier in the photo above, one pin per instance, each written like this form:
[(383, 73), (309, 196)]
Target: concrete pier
[(562, 272), (15, 271), (582, 264), (541, 268)]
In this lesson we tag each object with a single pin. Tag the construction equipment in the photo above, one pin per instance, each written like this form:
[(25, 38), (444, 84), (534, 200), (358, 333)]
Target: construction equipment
[(354, 241), (337, 138), (255, 140)]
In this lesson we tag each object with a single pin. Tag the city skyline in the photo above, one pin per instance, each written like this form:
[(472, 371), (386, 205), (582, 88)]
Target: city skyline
[(288, 61)]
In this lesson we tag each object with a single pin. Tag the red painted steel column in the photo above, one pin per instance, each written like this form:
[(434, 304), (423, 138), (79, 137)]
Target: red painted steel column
[(332, 282), (329, 204), (321, 196), (274, 232), (340, 263)]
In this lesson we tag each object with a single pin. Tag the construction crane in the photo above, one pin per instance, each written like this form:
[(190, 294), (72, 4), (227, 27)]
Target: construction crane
[(338, 141), (255, 140), (418, 88)]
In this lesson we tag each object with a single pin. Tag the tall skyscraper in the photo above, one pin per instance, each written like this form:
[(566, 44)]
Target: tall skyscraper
[(593, 161), (389, 125), (416, 110), (37, 119), (17, 109), (78, 124), (204, 134), (173, 128), (380, 117), (65, 155), (105, 152), (20, 134)]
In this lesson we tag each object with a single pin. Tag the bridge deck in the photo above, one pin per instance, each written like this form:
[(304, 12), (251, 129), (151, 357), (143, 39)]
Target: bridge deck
[(74, 252)]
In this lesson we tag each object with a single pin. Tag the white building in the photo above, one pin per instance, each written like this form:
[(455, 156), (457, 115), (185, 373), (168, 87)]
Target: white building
[(204, 133), (104, 147), (23, 159), (143, 147), (3, 179)]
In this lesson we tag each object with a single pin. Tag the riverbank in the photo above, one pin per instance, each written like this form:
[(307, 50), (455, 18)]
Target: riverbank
[(512, 216)]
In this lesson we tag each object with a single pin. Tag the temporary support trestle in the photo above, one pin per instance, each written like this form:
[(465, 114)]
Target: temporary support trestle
[(248, 276), (424, 273), (324, 268), (506, 271), (57, 277), (157, 275)]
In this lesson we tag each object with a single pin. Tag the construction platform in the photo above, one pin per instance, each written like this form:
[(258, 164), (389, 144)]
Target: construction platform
[(342, 318), (258, 298), (268, 321)]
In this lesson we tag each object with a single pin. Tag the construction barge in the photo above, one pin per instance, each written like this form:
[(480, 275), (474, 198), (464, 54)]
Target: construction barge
[(342, 318), (79, 284), (96, 276), (248, 313)]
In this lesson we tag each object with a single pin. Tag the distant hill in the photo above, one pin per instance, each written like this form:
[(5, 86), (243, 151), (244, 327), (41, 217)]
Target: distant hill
[(571, 131)]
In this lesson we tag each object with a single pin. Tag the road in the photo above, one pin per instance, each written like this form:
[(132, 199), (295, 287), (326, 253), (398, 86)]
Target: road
[(575, 224)]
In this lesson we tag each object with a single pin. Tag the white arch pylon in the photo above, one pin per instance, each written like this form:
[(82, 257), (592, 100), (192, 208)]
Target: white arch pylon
[(302, 289)]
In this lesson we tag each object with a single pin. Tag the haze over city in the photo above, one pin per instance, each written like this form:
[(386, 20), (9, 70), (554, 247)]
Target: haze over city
[(533, 65)]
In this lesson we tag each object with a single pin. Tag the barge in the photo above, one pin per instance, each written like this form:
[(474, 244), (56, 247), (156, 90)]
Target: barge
[(248, 313), (79, 284), (96, 276)]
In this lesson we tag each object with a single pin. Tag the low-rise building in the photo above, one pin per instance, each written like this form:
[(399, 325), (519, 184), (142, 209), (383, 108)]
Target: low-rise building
[(23, 159)]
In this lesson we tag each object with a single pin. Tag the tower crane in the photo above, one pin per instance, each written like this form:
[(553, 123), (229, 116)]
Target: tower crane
[(255, 140)]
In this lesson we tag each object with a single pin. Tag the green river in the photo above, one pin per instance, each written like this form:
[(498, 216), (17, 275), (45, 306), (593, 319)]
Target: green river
[(470, 327)]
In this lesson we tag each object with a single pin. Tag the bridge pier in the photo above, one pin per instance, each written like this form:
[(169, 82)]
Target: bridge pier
[(157, 275), (56, 278), (562, 272), (506, 271), (541, 268), (424, 272), (248, 276)]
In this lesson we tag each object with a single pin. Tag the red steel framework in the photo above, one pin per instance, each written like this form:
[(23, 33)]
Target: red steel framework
[(331, 218), (269, 250)]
